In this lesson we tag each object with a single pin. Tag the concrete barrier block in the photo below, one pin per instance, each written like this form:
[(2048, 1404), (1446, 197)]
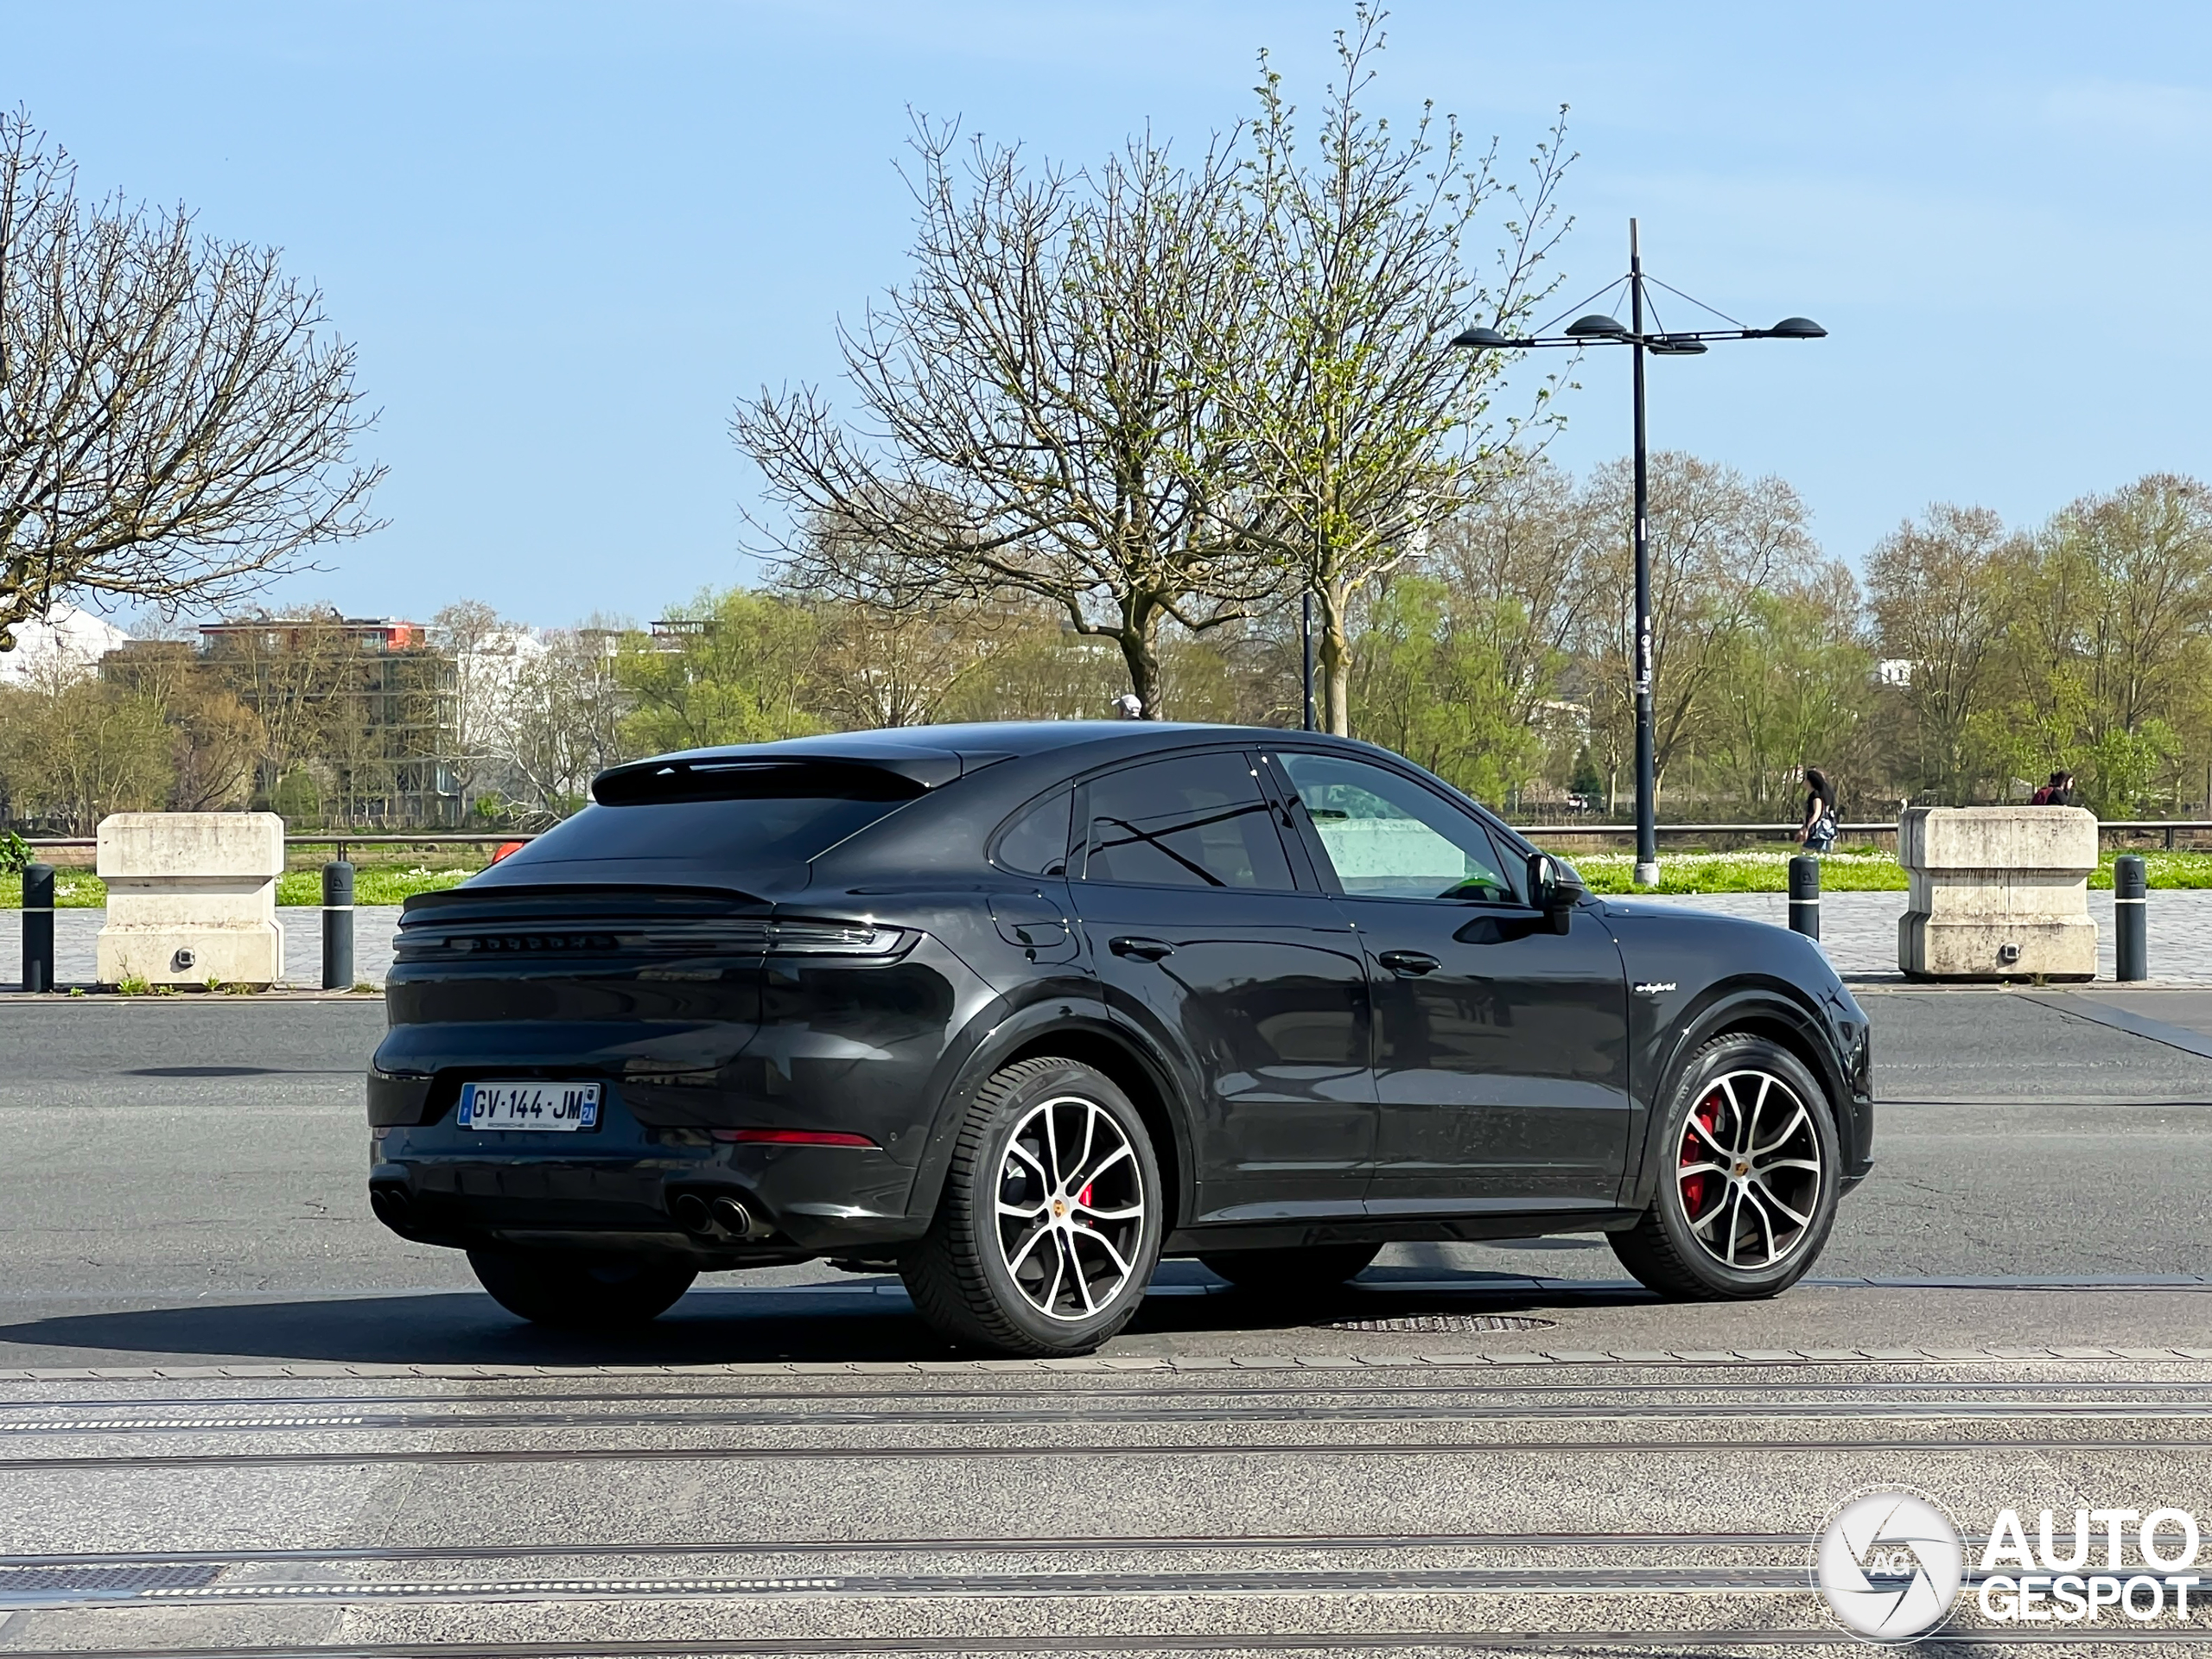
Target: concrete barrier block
[(1998, 893), (191, 897)]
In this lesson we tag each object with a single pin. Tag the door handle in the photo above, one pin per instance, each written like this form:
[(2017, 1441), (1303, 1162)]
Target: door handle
[(1142, 950), (1411, 962)]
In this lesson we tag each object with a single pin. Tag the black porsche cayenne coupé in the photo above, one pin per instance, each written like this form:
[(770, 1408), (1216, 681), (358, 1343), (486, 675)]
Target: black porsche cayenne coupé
[(1017, 1009)]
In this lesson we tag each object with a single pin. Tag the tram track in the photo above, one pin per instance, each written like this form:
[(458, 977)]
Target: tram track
[(1310, 1385), (996, 1544), (1549, 1581), (1676, 1446), (1617, 1642), (1167, 1413)]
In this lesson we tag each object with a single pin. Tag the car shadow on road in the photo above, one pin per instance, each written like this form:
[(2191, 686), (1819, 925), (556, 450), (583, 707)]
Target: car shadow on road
[(870, 1319)]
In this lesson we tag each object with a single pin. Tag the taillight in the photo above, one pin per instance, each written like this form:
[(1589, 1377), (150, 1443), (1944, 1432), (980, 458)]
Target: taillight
[(834, 939), (793, 1137)]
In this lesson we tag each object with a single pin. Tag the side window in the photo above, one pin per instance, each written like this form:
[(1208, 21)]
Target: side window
[(1200, 821), (1388, 837), (1036, 841)]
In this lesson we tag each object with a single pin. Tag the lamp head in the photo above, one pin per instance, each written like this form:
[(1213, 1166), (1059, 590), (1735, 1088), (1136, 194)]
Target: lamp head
[(1481, 340), (1597, 326), (1797, 328), (1674, 346)]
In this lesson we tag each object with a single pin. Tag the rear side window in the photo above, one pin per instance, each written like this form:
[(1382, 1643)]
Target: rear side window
[(1036, 843), (721, 815), (1199, 821)]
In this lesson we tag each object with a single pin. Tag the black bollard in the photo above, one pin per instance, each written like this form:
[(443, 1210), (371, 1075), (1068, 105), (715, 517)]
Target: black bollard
[(2131, 918), (38, 927), (338, 926), (1805, 895)]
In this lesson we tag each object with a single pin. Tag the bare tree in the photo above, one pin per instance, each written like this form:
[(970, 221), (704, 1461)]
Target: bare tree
[(1942, 608), (176, 423), (489, 657), (1719, 541), (1524, 556), (566, 725), (1037, 416), (1366, 429)]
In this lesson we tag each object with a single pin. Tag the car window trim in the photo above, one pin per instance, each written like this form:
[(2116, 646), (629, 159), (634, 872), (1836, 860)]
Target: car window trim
[(1082, 817), (998, 835), (1310, 833)]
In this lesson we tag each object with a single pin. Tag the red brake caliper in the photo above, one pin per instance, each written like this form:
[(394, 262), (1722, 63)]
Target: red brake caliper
[(1698, 1151), (1084, 1198)]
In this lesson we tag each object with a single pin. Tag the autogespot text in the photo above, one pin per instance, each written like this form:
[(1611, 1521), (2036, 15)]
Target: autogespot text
[(2046, 1571)]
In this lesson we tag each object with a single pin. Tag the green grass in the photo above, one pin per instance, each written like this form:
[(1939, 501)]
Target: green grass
[(371, 886), (1857, 869), (82, 890)]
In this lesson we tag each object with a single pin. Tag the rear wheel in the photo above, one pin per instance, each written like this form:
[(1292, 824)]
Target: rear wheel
[(1052, 1217), (1751, 1178), (578, 1292), (1288, 1273)]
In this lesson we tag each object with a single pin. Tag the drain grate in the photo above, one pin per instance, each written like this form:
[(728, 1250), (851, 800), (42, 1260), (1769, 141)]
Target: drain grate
[(1444, 1324), (18, 1582)]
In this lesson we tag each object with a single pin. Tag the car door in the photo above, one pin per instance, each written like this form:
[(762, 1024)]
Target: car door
[(1255, 991), (1500, 1046)]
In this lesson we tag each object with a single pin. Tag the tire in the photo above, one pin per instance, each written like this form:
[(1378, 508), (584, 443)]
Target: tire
[(576, 1292), (1741, 1127), (1023, 1201), (1292, 1272)]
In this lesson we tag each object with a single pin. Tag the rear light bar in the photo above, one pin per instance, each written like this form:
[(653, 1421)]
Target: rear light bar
[(834, 939), (793, 1137), (743, 936)]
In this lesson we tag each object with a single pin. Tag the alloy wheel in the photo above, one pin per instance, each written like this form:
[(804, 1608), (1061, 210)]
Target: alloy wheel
[(1749, 1170), (1071, 1208)]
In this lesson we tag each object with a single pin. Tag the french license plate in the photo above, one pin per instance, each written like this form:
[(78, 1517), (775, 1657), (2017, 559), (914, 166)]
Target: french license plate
[(555, 1106)]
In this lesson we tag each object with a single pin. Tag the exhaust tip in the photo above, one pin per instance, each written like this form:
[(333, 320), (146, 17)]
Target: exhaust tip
[(691, 1214), (391, 1203), (732, 1218)]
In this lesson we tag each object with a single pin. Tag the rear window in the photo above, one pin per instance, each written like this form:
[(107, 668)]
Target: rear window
[(721, 815)]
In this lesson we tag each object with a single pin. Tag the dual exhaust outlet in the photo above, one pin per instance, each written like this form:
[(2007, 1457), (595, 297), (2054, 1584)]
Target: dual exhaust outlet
[(718, 1217)]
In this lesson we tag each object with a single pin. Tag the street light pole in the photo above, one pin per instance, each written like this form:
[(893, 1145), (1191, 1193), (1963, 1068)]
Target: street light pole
[(1647, 783), (1600, 329)]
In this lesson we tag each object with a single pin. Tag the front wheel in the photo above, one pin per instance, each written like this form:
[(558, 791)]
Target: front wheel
[(1052, 1217), (581, 1292), (1749, 1180)]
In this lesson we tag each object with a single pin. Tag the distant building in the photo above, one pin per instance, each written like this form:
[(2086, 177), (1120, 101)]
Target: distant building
[(381, 702), (67, 645), (1894, 670)]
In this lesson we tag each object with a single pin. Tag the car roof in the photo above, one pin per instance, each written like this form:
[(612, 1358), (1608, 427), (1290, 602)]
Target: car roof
[(937, 754)]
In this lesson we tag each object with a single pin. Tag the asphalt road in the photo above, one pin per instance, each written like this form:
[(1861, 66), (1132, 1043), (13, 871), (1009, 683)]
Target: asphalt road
[(235, 1414)]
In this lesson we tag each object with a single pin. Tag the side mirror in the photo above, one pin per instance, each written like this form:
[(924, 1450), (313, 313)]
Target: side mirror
[(1555, 889)]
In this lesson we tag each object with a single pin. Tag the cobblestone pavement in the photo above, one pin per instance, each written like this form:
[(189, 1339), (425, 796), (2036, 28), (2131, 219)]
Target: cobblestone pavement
[(1858, 929)]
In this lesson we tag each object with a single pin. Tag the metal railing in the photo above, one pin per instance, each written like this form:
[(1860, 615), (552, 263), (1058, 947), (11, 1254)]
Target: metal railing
[(2168, 827), (340, 839)]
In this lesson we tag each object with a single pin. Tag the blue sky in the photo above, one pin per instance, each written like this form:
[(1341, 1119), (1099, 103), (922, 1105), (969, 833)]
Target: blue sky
[(566, 237)]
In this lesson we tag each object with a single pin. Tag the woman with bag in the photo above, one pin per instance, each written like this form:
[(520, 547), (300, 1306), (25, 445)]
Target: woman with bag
[(1818, 831)]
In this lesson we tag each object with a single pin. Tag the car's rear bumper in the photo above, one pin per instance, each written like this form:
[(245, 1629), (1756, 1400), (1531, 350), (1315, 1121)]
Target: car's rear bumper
[(616, 1186)]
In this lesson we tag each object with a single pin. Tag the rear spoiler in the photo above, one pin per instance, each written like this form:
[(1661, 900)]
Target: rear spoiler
[(714, 772)]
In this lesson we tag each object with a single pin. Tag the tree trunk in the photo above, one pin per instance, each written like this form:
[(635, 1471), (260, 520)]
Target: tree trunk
[(1335, 660), (1138, 653)]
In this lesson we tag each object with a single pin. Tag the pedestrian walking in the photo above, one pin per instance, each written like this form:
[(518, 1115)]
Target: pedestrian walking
[(1818, 831), (2059, 791)]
